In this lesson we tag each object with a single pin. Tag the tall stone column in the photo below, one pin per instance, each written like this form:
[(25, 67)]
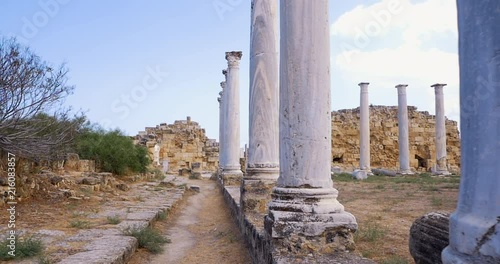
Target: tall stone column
[(304, 209), (441, 167), (475, 225), (263, 152), (364, 128), (221, 124), (403, 140), (231, 173)]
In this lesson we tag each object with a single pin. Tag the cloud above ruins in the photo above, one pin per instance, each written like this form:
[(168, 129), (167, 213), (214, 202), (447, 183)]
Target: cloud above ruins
[(401, 41)]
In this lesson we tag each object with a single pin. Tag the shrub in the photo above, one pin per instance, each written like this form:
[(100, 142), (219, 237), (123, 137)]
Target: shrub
[(27, 247), (113, 220), (112, 150), (148, 238)]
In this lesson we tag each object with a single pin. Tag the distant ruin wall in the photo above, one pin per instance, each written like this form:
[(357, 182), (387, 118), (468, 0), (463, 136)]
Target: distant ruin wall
[(384, 152), (181, 144)]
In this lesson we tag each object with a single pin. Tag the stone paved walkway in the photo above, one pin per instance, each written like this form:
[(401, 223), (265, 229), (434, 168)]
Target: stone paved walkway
[(104, 242)]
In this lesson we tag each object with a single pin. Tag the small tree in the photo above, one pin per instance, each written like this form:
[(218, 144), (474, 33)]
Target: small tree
[(30, 87)]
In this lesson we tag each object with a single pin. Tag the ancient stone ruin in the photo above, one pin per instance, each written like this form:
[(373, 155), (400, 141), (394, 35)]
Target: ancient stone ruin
[(179, 146), (384, 149)]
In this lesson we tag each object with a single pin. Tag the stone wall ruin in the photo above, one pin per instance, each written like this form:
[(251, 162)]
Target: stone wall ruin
[(384, 139), (181, 144)]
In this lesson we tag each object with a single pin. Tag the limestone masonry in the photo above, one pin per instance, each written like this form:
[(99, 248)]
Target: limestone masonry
[(181, 145), (384, 139)]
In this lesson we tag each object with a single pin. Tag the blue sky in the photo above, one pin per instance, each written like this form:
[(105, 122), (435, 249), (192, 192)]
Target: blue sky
[(142, 63)]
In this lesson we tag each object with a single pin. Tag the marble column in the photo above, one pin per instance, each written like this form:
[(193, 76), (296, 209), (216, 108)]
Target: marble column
[(263, 150), (304, 210), (403, 140), (231, 173), (364, 129), (475, 225), (221, 124), (441, 168)]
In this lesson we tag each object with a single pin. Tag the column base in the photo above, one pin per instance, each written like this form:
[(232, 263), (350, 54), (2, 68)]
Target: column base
[(231, 177), (441, 173), (361, 174), (451, 256), (404, 172), (256, 189), (310, 220)]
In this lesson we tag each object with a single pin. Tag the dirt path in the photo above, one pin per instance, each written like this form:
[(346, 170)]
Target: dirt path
[(202, 231)]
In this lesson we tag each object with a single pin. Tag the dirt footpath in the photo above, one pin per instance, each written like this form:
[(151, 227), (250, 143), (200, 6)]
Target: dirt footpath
[(201, 230)]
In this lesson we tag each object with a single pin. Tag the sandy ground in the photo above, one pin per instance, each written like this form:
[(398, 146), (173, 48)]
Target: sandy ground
[(201, 230)]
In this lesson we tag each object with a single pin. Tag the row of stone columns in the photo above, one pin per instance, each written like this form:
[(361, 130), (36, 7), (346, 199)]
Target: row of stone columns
[(290, 127), (403, 137), (304, 205)]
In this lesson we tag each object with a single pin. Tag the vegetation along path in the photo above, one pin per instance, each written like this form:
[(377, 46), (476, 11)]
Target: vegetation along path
[(201, 230)]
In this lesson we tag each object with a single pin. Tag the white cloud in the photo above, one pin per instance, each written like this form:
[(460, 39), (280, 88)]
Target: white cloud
[(414, 25)]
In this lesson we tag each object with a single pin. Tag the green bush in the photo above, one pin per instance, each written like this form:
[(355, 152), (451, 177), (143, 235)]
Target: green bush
[(27, 247), (112, 150), (148, 238)]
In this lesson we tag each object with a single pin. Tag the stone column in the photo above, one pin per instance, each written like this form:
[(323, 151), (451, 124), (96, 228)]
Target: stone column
[(304, 214), (263, 152), (404, 148), (364, 129), (231, 173), (441, 167), (221, 124), (475, 225)]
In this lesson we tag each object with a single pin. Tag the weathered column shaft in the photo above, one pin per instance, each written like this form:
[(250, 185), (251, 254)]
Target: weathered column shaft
[(232, 169), (221, 123), (475, 225), (304, 203), (441, 166), (263, 152), (403, 140), (364, 128)]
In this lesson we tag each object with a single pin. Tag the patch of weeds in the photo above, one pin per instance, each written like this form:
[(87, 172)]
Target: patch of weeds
[(182, 186), (430, 188), (368, 253), (380, 187), (80, 224), (44, 260), (113, 220), (436, 201), (27, 247), (78, 214), (395, 260), (148, 238), (343, 177), (158, 174), (370, 232), (162, 216)]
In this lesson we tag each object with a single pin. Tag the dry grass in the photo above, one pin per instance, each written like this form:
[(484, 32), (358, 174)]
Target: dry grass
[(385, 208)]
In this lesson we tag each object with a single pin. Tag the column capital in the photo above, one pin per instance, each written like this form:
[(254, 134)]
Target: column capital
[(233, 58), (363, 83), (401, 85), (223, 85), (437, 85)]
